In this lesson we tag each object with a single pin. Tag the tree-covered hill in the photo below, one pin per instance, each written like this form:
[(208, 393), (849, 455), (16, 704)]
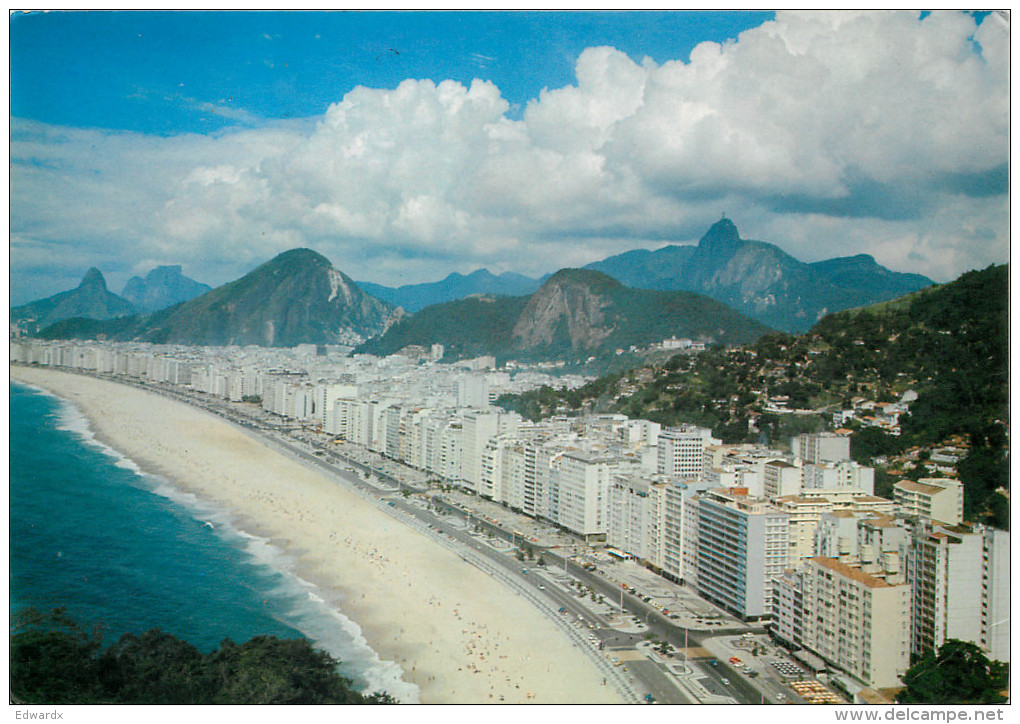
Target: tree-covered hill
[(577, 313), (467, 328), (949, 343), (55, 661)]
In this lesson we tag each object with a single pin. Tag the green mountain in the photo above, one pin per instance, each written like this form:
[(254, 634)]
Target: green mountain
[(90, 299), (760, 279), (297, 297), (467, 328), (576, 313)]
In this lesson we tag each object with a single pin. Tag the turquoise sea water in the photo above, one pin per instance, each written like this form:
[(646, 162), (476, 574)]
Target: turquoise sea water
[(90, 531)]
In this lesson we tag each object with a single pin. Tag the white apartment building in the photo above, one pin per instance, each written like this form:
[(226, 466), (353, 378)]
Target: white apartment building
[(480, 426), (742, 545), (853, 499), (805, 513), (938, 499), (680, 450), (579, 489), (680, 530), (473, 391), (857, 623), (960, 580), (821, 447), (780, 479), (634, 515), (836, 475)]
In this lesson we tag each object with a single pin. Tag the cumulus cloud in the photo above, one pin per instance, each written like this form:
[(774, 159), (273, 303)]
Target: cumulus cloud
[(825, 133)]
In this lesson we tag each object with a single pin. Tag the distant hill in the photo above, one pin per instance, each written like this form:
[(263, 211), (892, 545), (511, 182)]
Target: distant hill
[(297, 297), (643, 269), (576, 313), (470, 327), (760, 279), (415, 297), (90, 299), (162, 287)]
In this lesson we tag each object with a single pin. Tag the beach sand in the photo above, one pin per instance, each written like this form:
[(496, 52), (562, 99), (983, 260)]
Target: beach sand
[(459, 635)]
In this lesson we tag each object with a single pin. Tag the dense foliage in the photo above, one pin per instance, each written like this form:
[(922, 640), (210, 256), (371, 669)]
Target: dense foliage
[(959, 673), (584, 300), (949, 343), (54, 661), (467, 328)]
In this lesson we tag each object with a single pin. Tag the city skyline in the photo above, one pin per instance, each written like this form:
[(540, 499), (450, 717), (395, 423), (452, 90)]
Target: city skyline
[(405, 146)]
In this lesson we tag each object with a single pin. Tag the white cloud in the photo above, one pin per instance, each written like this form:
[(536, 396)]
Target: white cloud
[(827, 134)]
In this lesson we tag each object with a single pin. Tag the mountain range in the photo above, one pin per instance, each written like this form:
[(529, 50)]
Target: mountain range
[(297, 297), (574, 314), (415, 297), (162, 287), (760, 279), (90, 299), (755, 278)]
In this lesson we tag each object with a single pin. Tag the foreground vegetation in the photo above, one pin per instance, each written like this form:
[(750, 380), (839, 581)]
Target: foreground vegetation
[(959, 673), (55, 661)]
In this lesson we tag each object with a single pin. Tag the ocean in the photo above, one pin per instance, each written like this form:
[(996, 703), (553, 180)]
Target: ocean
[(91, 532)]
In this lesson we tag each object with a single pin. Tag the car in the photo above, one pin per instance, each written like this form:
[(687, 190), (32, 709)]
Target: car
[(726, 682)]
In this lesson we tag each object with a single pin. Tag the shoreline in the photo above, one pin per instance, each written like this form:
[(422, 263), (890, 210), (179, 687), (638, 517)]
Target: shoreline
[(460, 636)]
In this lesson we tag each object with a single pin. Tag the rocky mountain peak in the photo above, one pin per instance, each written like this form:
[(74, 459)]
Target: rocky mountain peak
[(93, 279), (590, 279), (568, 310), (162, 287), (722, 237)]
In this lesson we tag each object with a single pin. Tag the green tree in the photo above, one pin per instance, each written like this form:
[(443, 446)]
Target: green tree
[(53, 660), (959, 673), (154, 668)]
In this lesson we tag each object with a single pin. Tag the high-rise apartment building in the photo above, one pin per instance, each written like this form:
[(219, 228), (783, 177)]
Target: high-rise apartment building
[(781, 479), (960, 580), (856, 622), (680, 451), (938, 499), (821, 447), (742, 545)]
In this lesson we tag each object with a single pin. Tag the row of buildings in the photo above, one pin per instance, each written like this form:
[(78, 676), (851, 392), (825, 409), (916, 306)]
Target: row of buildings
[(793, 537)]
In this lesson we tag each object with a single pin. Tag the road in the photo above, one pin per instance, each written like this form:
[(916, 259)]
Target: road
[(437, 517)]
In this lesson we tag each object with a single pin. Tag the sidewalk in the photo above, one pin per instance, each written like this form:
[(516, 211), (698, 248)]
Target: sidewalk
[(758, 654)]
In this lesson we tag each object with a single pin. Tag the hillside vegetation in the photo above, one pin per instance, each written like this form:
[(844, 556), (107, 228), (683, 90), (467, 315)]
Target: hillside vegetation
[(949, 343), (576, 314)]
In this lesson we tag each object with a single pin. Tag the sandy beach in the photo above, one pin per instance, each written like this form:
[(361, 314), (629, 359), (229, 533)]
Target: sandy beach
[(459, 635)]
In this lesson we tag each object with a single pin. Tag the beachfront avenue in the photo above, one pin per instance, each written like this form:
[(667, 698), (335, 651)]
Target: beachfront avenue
[(615, 640), (674, 561)]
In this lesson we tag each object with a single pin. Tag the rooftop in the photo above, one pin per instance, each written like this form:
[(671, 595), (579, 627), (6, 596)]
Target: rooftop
[(854, 574)]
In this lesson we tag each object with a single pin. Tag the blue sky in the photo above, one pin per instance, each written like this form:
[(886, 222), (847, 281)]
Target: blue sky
[(160, 72), (405, 146)]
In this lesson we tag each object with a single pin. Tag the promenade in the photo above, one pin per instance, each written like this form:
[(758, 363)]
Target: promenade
[(650, 639)]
